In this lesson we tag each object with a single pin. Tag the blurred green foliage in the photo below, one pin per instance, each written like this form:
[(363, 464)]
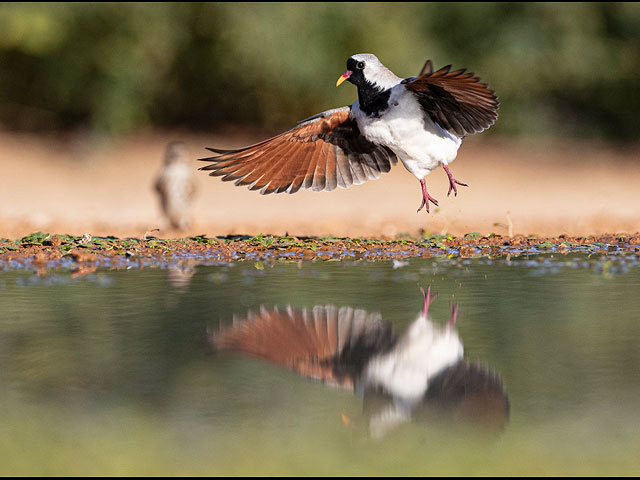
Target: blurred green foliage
[(558, 68)]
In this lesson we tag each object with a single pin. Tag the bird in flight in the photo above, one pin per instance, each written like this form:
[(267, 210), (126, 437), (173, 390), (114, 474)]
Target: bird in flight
[(420, 120)]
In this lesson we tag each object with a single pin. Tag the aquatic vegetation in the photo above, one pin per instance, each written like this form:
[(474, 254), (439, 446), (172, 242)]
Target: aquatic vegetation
[(44, 250)]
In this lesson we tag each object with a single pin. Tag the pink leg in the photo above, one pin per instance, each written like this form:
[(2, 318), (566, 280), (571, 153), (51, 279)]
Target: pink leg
[(427, 300), (426, 198), (452, 181), (454, 316)]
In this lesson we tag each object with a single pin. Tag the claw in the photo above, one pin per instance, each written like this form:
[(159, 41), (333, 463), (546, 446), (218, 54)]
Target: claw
[(452, 181), (426, 198), (427, 300)]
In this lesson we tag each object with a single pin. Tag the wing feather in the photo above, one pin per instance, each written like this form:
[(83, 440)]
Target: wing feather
[(323, 152), (320, 343), (455, 100), (320, 171)]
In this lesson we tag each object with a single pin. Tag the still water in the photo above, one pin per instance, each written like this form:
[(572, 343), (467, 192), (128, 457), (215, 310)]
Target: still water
[(528, 366)]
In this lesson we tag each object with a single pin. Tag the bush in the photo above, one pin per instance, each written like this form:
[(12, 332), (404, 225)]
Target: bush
[(559, 69)]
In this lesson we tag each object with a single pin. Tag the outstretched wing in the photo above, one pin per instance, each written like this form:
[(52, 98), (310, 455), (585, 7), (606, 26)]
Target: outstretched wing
[(323, 152), (456, 101), (326, 343)]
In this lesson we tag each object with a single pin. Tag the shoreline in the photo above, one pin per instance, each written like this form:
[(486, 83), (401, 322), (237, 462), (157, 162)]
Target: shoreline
[(42, 251)]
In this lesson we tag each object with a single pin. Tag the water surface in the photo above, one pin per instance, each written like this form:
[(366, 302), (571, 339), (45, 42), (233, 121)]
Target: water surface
[(116, 372)]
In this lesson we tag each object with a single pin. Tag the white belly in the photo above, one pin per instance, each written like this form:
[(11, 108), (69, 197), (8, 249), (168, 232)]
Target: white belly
[(421, 353), (419, 143)]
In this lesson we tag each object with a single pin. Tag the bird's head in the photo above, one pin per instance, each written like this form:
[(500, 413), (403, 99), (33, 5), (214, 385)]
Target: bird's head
[(176, 152), (364, 70)]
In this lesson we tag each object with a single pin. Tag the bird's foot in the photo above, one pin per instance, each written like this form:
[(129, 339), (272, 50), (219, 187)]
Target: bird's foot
[(452, 181), (427, 300), (454, 316), (426, 198)]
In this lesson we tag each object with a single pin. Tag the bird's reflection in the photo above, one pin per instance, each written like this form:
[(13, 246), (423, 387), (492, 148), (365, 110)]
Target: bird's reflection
[(420, 375), (180, 276)]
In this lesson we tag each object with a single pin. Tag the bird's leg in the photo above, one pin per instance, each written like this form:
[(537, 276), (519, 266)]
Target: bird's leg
[(427, 300), (452, 181), (454, 316), (426, 198)]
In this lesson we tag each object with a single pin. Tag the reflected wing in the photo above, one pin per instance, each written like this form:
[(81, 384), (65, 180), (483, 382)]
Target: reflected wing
[(456, 100), (472, 393), (314, 343), (323, 152)]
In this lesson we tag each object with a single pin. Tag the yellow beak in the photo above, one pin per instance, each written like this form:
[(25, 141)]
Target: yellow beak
[(343, 77)]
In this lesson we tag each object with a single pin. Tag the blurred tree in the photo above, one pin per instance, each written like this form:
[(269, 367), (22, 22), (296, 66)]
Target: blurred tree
[(560, 69)]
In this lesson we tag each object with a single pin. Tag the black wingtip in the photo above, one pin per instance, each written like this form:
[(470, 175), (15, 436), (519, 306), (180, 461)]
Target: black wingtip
[(219, 150), (207, 159), (211, 166)]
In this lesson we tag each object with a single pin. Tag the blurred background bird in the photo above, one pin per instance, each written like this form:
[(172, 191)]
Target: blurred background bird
[(176, 186)]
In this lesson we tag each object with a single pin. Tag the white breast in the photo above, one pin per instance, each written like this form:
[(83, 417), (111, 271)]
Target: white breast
[(423, 351), (418, 142)]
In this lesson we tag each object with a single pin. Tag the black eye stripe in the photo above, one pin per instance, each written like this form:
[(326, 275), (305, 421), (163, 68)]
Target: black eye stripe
[(360, 65)]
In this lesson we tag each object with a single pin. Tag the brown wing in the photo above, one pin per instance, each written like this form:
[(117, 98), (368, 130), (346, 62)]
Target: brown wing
[(311, 343), (456, 100), (323, 152)]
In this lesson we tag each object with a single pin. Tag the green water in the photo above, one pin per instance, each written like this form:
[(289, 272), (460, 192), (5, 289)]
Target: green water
[(114, 373)]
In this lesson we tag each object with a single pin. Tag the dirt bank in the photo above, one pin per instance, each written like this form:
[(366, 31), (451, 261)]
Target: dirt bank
[(82, 255), (104, 187)]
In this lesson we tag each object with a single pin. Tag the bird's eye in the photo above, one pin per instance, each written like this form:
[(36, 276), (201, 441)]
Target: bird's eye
[(360, 65)]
